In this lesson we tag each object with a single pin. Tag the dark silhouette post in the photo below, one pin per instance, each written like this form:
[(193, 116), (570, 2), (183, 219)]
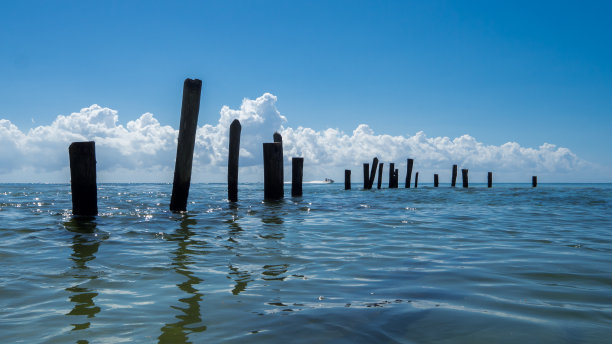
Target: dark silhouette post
[(83, 178), (278, 138), (409, 172), (396, 178), (534, 181), (416, 180), (273, 171), (366, 175), (373, 173), (391, 175), (186, 142), (297, 168), (435, 180), (454, 177), (347, 179), (464, 175), (380, 172), (232, 161), (490, 179)]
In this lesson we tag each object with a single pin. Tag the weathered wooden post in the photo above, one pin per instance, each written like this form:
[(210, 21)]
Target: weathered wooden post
[(409, 173), (373, 173), (380, 172), (391, 175), (273, 171), (416, 180), (534, 181), (83, 178), (464, 175), (278, 138), (232, 161), (186, 142), (297, 168), (366, 175), (454, 177), (396, 178), (490, 179), (435, 180), (347, 179)]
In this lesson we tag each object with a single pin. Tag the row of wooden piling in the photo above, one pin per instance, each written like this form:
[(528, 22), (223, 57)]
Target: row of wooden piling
[(369, 176), (83, 165)]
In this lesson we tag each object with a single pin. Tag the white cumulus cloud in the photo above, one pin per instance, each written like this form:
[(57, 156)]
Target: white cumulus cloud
[(144, 150)]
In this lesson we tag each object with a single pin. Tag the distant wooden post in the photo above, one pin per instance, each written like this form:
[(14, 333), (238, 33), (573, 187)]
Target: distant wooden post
[(454, 177), (396, 178), (232, 161), (464, 175), (347, 179), (435, 180), (409, 173), (83, 178), (297, 168), (186, 142), (366, 175), (380, 172), (391, 175), (416, 180), (534, 181), (273, 171), (490, 179), (373, 172)]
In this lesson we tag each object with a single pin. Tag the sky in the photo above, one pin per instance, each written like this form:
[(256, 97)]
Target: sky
[(519, 88)]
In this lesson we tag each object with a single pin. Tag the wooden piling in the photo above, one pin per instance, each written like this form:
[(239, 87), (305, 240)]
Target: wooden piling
[(396, 178), (186, 142), (435, 180), (416, 180), (232, 161), (297, 168), (534, 181), (391, 175), (366, 175), (464, 175), (347, 179), (373, 173), (380, 172), (83, 178), (454, 177), (409, 172), (490, 179), (278, 138), (273, 171)]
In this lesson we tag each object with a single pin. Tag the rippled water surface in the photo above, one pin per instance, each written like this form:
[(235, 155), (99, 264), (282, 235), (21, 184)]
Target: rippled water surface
[(509, 264)]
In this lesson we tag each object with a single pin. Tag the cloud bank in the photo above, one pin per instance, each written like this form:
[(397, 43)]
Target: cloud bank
[(143, 150)]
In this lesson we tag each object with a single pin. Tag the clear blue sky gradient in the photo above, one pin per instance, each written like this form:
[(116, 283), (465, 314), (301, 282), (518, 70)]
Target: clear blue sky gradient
[(524, 71)]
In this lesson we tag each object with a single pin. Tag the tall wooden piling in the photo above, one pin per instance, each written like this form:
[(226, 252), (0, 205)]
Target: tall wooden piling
[(409, 173), (278, 138), (273, 171), (464, 175), (373, 172), (416, 180), (396, 178), (232, 161), (490, 179), (435, 180), (391, 175), (186, 142), (366, 175), (454, 176), (534, 181), (83, 178), (297, 168), (347, 179), (380, 172)]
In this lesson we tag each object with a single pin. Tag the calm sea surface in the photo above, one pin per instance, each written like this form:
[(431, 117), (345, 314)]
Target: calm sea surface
[(511, 264)]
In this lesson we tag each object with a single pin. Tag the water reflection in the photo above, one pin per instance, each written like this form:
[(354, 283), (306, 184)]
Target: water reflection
[(85, 244), (190, 320)]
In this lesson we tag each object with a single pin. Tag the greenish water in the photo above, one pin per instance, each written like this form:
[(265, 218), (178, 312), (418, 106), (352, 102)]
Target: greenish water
[(505, 265)]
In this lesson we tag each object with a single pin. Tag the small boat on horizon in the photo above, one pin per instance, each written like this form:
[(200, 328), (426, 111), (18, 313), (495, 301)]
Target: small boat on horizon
[(329, 180)]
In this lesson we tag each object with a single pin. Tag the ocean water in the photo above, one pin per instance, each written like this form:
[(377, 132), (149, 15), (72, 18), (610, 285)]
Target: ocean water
[(509, 264)]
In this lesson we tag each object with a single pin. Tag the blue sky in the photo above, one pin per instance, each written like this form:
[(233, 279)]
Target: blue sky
[(515, 71)]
